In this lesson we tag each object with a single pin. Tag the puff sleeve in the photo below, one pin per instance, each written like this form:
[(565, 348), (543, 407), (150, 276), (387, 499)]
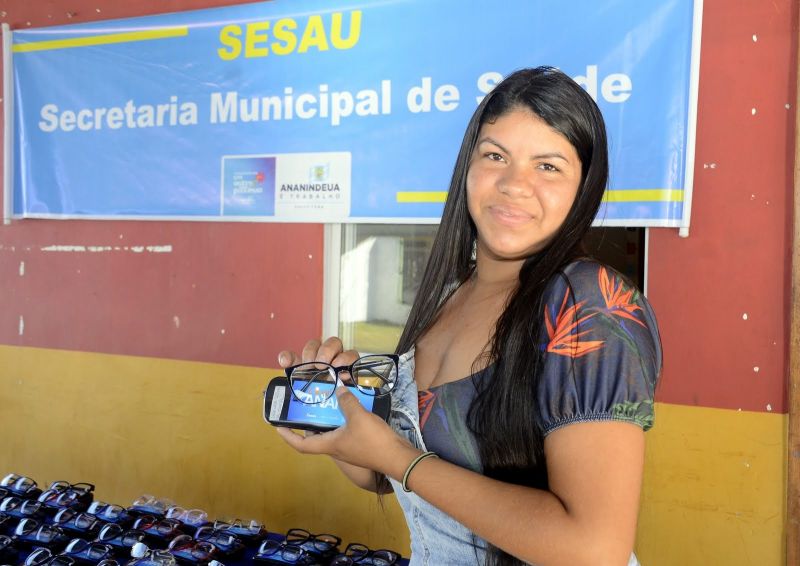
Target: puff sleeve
[(602, 350)]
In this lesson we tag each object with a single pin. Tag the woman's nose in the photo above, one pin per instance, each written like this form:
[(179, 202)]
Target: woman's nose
[(516, 182)]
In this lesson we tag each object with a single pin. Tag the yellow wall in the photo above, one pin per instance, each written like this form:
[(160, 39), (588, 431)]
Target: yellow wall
[(714, 489), (189, 431)]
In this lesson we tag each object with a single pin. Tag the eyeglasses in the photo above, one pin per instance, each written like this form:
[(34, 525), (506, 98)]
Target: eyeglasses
[(71, 520), (88, 551), (151, 505), (65, 494), (161, 528), (187, 548), (226, 542), (289, 553), (315, 382), (153, 558), (61, 486), (318, 543), (114, 535), (20, 508), (31, 531), (248, 528), (42, 556), (20, 485), (357, 553), (108, 512), (191, 517)]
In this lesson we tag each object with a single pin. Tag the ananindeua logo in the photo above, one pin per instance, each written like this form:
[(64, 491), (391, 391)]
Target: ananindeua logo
[(314, 186)]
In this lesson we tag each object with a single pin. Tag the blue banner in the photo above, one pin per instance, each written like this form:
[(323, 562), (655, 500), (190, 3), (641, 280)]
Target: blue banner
[(326, 111)]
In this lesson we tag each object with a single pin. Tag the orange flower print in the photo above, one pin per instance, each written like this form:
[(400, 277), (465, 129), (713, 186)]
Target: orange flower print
[(617, 297), (425, 399), (563, 335)]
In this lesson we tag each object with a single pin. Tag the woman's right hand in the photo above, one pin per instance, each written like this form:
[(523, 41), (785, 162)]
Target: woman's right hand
[(330, 351)]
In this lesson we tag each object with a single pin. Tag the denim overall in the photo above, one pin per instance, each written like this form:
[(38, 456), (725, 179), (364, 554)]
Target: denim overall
[(436, 538)]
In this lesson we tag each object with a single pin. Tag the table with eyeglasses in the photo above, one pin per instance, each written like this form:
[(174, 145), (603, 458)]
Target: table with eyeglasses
[(64, 526)]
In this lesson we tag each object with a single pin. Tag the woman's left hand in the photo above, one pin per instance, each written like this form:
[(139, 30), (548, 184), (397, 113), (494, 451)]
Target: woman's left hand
[(364, 440)]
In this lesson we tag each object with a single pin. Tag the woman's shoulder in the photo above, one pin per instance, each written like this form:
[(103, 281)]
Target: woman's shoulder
[(592, 283), (589, 303), (600, 331)]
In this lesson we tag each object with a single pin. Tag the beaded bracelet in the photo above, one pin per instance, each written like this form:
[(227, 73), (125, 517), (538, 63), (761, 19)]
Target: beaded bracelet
[(411, 466)]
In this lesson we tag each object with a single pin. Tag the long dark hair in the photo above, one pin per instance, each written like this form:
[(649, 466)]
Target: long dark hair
[(503, 415)]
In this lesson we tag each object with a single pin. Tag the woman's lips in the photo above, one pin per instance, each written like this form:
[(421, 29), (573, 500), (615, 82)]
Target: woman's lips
[(509, 215)]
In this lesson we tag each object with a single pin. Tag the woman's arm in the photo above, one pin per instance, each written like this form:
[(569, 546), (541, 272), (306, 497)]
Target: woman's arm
[(587, 517)]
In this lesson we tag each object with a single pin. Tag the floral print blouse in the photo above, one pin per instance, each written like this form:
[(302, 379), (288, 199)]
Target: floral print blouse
[(602, 361)]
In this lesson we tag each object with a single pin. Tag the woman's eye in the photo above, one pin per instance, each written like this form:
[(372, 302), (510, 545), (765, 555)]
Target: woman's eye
[(493, 156), (548, 167)]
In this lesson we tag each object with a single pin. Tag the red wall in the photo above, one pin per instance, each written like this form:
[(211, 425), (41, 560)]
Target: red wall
[(233, 293), (737, 258)]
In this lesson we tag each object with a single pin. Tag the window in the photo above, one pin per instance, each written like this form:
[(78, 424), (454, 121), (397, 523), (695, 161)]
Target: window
[(379, 268), (373, 271)]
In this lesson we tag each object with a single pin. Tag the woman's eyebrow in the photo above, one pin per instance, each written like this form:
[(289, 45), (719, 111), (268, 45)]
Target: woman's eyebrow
[(487, 139), (550, 155)]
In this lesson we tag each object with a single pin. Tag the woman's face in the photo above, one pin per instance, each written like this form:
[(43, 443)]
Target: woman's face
[(522, 181)]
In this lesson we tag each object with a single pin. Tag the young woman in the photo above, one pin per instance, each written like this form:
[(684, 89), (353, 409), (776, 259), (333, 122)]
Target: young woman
[(527, 368)]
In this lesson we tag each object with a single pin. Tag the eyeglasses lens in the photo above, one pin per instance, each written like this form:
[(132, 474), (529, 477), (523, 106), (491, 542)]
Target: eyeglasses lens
[(84, 521), (268, 547), (291, 553), (66, 497), (113, 511), (356, 551), (9, 480), (144, 522), (325, 542), (383, 558), (195, 517), (25, 484), (313, 382), (38, 556), (76, 545), (110, 532), (374, 375), (26, 527), (46, 533), (98, 551), (132, 537), (297, 536), (164, 527), (202, 550)]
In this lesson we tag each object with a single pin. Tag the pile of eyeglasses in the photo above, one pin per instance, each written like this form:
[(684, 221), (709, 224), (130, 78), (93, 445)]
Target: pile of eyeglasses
[(63, 525)]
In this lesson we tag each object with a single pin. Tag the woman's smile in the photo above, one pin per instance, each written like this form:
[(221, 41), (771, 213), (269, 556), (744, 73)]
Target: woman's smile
[(510, 215)]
